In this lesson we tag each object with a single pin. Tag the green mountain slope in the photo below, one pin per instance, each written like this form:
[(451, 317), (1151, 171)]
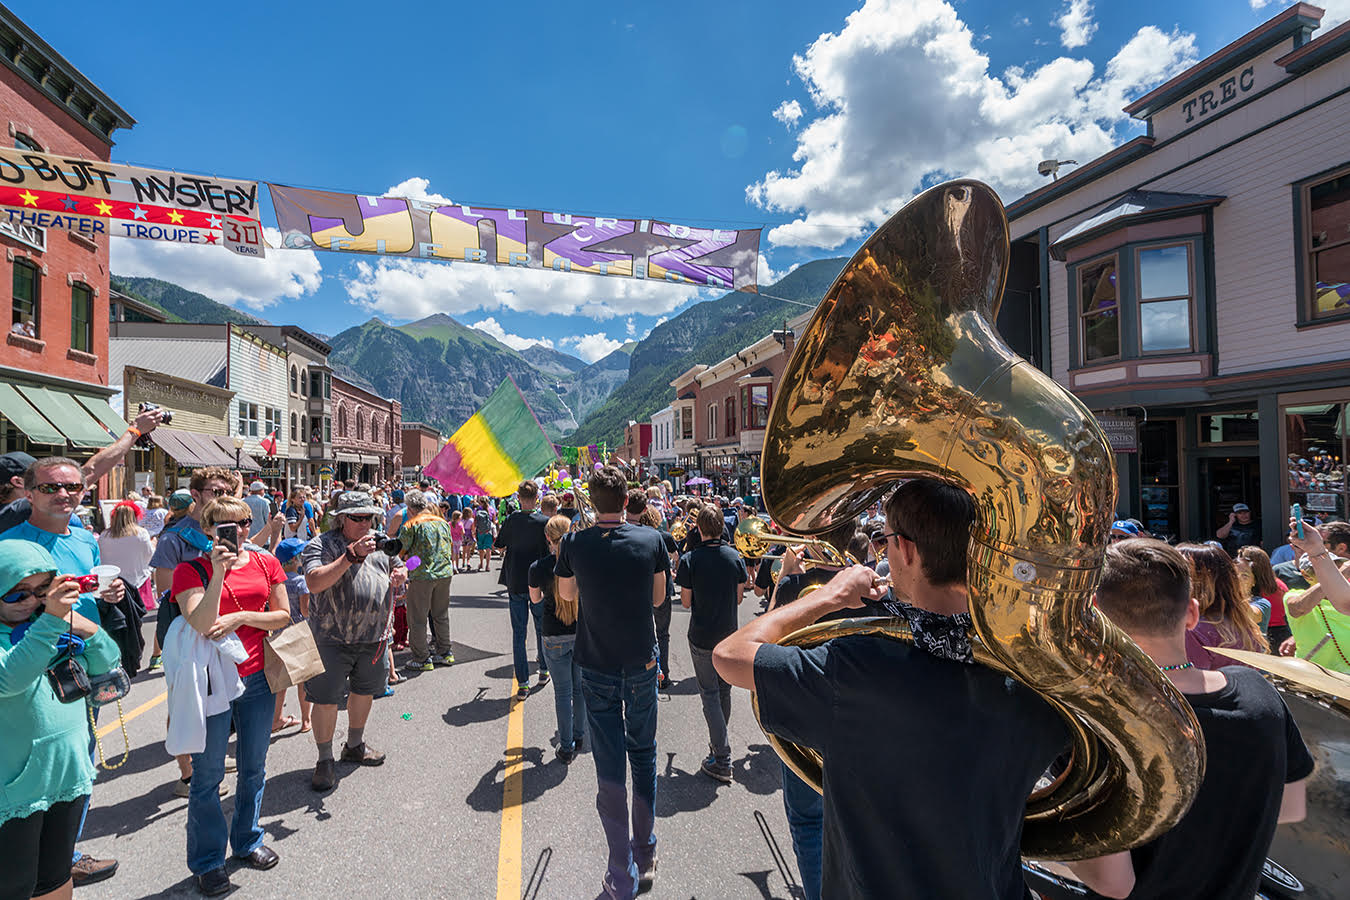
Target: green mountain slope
[(442, 371), (554, 362), (594, 384), (704, 333), (181, 304)]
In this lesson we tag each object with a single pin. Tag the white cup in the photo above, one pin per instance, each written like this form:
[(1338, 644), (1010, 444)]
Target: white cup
[(106, 575)]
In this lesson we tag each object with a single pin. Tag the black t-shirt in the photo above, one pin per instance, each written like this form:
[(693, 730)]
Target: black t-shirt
[(569, 511), (1242, 535), (671, 548), (541, 576), (1253, 749), (712, 573), (928, 764), (614, 567), (522, 534)]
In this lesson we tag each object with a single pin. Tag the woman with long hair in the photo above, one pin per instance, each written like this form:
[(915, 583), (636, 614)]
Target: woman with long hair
[(128, 546), (240, 592), (156, 513), (1267, 585), (1226, 618), (558, 624)]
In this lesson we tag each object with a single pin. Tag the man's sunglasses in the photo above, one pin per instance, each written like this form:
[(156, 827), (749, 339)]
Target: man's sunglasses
[(365, 517), (52, 487), (216, 492)]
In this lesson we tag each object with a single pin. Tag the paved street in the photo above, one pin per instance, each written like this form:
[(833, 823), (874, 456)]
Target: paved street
[(430, 822)]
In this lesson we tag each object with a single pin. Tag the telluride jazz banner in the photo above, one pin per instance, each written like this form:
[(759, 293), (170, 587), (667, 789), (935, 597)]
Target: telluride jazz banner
[(626, 248), (92, 197)]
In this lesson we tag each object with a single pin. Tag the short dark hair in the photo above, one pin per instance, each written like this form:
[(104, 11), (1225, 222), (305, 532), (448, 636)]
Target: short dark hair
[(528, 490), (710, 522), (637, 502), (937, 517), (859, 544), (1335, 534), (609, 489), (30, 475), (1145, 586)]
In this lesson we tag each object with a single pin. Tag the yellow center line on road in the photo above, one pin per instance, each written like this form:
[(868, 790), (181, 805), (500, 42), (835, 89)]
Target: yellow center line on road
[(144, 707), (509, 854)]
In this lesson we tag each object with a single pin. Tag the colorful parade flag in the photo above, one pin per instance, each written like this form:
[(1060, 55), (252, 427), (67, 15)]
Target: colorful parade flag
[(564, 242), (92, 197), (501, 444)]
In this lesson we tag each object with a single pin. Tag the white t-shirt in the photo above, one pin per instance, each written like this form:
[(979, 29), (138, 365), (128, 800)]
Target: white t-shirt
[(131, 554)]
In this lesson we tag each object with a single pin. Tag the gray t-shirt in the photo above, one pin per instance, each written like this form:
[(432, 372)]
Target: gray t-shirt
[(261, 511), (356, 609)]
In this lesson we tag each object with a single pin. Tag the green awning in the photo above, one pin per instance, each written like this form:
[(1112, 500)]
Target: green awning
[(103, 412), (26, 419), (62, 410)]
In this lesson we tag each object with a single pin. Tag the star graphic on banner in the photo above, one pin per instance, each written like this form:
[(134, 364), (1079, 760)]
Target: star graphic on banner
[(213, 222), (210, 238), (740, 253), (175, 217), (69, 203), (138, 212), (641, 244), (104, 208), (28, 198)]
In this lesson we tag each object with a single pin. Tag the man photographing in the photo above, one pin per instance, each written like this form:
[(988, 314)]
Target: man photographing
[(349, 607)]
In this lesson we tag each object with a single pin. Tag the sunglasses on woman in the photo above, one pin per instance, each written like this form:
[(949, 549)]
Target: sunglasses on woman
[(22, 594)]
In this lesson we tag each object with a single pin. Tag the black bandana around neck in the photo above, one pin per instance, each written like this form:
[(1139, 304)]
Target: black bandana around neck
[(946, 637)]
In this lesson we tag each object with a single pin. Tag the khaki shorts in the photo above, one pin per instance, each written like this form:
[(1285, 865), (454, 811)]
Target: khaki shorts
[(363, 667)]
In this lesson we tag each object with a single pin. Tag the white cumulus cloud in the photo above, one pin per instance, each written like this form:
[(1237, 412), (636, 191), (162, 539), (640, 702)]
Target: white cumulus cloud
[(514, 341), (868, 148), (220, 274), (1075, 24), (788, 112), (416, 189), (1337, 11), (591, 347)]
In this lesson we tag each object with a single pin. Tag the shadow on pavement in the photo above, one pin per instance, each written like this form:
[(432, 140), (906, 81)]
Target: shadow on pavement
[(679, 791), (536, 881), (761, 882), (477, 710), (538, 777), (759, 771), (133, 814)]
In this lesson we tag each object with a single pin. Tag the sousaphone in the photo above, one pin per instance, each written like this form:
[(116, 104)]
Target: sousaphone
[(901, 374)]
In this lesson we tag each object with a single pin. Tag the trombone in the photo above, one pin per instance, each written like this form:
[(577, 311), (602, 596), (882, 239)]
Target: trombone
[(680, 528), (753, 540)]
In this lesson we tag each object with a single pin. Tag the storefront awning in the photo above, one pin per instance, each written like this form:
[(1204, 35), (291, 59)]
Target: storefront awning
[(69, 417), (347, 457), (27, 419), (189, 449), (226, 447), (100, 410)]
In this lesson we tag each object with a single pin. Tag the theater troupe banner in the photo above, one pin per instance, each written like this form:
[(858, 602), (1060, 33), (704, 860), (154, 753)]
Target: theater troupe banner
[(92, 197), (627, 248)]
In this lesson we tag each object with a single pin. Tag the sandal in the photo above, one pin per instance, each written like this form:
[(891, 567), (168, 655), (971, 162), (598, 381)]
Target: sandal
[(305, 728), (395, 678), (285, 723)]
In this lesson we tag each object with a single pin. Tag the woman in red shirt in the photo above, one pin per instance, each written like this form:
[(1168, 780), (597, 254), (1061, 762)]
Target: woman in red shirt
[(1270, 587), (241, 593)]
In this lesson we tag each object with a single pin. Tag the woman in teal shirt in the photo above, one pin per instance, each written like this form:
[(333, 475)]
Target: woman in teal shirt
[(45, 772)]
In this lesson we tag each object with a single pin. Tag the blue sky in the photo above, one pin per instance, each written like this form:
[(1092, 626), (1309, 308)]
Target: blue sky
[(814, 119)]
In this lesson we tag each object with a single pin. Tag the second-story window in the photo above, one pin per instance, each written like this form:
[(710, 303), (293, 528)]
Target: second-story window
[(82, 317), (1099, 310), (295, 426), (360, 425), (687, 424), (248, 419), (731, 416), (1327, 244), (27, 305), (712, 421), (1165, 295), (295, 378)]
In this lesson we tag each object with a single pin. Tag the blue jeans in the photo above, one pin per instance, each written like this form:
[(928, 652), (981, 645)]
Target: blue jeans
[(621, 715), (805, 814), (568, 700), (206, 830), (521, 612), (716, 695), (93, 758)]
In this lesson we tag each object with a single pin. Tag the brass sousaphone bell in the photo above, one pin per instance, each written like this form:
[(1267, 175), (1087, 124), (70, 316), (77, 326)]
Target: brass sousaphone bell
[(901, 374)]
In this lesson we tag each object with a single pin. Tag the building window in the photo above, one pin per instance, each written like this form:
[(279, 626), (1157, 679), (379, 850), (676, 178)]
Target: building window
[(1166, 293), (731, 416), (295, 422), (327, 429), (686, 423), (360, 425), (82, 317), (342, 422), (1099, 310), (755, 405), (24, 142), (27, 318), (272, 419), (1328, 245), (1315, 440), (712, 421), (295, 379), (248, 419), (375, 430), (1229, 428)]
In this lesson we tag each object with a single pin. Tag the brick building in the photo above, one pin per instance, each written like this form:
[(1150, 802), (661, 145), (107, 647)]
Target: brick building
[(54, 366), (367, 433), (421, 443), (637, 445)]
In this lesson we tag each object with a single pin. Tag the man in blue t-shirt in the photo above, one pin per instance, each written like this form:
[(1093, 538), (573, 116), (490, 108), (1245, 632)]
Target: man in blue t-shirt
[(55, 486), (619, 572)]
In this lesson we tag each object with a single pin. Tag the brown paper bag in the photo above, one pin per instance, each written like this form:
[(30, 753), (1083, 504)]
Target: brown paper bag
[(290, 657)]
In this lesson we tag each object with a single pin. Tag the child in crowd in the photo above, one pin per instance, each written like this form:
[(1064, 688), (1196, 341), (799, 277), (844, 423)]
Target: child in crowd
[(457, 540), (288, 554), (470, 542)]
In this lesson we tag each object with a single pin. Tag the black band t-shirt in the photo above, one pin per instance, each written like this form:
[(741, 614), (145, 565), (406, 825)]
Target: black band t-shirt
[(928, 764), (522, 534), (712, 573), (541, 577), (614, 567), (1253, 749)]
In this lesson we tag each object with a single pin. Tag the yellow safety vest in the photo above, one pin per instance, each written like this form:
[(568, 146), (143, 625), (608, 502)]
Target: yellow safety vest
[(1311, 630)]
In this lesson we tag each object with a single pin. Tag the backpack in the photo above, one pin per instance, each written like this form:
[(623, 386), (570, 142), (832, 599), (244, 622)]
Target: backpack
[(482, 522), (168, 607)]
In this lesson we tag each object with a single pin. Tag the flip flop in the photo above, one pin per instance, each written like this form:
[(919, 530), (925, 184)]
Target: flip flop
[(285, 723), (305, 729)]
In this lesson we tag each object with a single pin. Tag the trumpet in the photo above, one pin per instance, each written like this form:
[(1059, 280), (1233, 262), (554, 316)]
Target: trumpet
[(753, 540), (680, 528)]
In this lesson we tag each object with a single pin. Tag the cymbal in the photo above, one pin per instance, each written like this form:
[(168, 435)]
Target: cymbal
[(1300, 671)]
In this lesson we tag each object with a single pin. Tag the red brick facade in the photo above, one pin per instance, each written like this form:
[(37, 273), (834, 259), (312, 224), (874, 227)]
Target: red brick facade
[(421, 443), (367, 425)]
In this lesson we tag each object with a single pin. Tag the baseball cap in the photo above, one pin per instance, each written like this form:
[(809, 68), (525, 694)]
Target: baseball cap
[(398, 496), (1126, 526), (256, 486), (180, 499), (289, 549), (1241, 507), (13, 465), (737, 502)]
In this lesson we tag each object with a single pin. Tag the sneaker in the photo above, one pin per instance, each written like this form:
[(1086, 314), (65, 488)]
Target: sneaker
[(564, 755), (716, 770), (87, 870), (156, 662), (543, 678), (182, 787), (325, 775), (523, 692), (610, 889), (446, 660), (414, 665), (362, 755), (647, 874), (388, 692), (579, 743)]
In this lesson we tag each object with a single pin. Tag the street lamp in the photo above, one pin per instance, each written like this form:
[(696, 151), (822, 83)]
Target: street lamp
[(238, 445)]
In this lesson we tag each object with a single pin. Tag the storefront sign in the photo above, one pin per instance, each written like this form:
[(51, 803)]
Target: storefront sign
[(675, 472), (743, 466), (326, 471), (24, 233), (1220, 95), (1122, 432), (274, 472), (1321, 502)]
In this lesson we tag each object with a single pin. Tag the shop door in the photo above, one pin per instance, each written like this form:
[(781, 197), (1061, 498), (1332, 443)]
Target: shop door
[(1225, 480)]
